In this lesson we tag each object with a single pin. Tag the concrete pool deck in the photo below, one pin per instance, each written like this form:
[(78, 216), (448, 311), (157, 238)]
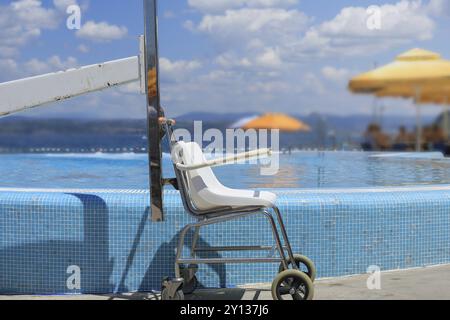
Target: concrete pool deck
[(431, 283)]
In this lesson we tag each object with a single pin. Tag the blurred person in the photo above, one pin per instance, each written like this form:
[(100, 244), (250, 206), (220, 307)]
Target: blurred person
[(403, 141), (437, 138), (427, 137), (375, 139), (369, 137)]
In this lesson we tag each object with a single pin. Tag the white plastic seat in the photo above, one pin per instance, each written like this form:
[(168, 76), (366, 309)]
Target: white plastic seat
[(206, 192)]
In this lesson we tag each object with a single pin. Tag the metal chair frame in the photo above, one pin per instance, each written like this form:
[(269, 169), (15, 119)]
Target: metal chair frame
[(221, 215)]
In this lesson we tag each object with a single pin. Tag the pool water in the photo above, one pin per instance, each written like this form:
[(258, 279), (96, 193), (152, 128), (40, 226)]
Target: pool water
[(299, 170)]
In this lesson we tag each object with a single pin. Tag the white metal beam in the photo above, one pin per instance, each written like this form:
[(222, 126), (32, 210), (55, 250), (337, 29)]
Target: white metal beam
[(31, 92)]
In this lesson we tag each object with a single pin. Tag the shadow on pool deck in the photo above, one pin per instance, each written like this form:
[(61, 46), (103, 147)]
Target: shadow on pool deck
[(35, 261), (415, 284), (163, 262), (40, 266)]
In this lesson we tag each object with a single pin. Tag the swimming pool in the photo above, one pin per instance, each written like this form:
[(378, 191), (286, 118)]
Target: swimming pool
[(300, 170), (347, 211)]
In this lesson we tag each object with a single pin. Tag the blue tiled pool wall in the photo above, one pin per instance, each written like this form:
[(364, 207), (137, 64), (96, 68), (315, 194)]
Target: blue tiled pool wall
[(109, 236)]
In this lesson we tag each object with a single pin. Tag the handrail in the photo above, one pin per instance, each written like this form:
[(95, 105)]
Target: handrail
[(226, 160)]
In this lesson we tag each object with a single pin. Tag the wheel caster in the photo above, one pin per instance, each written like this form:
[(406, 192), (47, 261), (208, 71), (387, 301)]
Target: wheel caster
[(190, 286), (165, 295), (172, 289), (190, 280), (304, 264), (292, 285)]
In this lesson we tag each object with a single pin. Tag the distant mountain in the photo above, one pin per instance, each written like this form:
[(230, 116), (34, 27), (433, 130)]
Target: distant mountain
[(23, 134), (353, 122), (214, 117), (347, 122)]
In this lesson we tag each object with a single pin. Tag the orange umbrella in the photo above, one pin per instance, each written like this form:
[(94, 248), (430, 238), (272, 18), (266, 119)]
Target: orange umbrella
[(280, 121)]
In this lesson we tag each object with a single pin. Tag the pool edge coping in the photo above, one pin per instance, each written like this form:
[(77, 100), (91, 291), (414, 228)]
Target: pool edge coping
[(416, 188)]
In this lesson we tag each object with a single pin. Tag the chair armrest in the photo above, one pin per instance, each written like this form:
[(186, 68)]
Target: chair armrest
[(226, 160)]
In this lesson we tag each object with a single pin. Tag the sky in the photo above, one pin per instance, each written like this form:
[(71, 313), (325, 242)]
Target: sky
[(224, 56)]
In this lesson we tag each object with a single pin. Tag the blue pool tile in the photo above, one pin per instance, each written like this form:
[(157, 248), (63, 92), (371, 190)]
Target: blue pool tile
[(108, 235)]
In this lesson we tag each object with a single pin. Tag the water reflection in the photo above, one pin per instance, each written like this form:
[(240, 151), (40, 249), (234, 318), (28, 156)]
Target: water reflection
[(287, 176), (299, 170)]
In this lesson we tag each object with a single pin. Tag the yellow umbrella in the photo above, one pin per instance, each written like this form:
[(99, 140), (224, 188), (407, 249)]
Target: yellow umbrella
[(282, 122), (414, 68), (427, 93), (435, 98), (412, 74)]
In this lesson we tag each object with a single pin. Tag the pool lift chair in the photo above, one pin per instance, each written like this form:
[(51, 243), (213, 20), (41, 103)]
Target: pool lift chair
[(209, 202)]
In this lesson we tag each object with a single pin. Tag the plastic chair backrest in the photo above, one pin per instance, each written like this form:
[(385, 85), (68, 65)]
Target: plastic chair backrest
[(189, 153)]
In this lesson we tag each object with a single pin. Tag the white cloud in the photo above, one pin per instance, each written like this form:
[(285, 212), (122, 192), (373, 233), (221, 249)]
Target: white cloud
[(229, 60), (269, 58), (54, 63), (270, 87), (405, 19), (252, 32), (261, 36), (11, 69), (348, 33), (22, 21), (8, 68), (243, 92), (217, 6), (63, 4), (101, 31), (133, 87), (83, 48), (267, 55), (107, 104), (268, 25), (168, 14), (439, 7), (256, 36), (268, 52), (189, 25), (171, 72), (177, 70), (312, 84), (335, 74)]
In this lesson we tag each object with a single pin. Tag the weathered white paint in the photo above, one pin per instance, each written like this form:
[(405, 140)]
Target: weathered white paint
[(31, 92)]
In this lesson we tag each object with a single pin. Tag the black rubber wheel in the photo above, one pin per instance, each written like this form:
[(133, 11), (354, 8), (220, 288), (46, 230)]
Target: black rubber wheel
[(179, 295), (305, 265), (190, 286), (292, 285)]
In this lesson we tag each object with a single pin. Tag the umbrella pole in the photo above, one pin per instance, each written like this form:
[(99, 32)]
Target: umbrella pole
[(446, 118), (419, 129), (418, 121)]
